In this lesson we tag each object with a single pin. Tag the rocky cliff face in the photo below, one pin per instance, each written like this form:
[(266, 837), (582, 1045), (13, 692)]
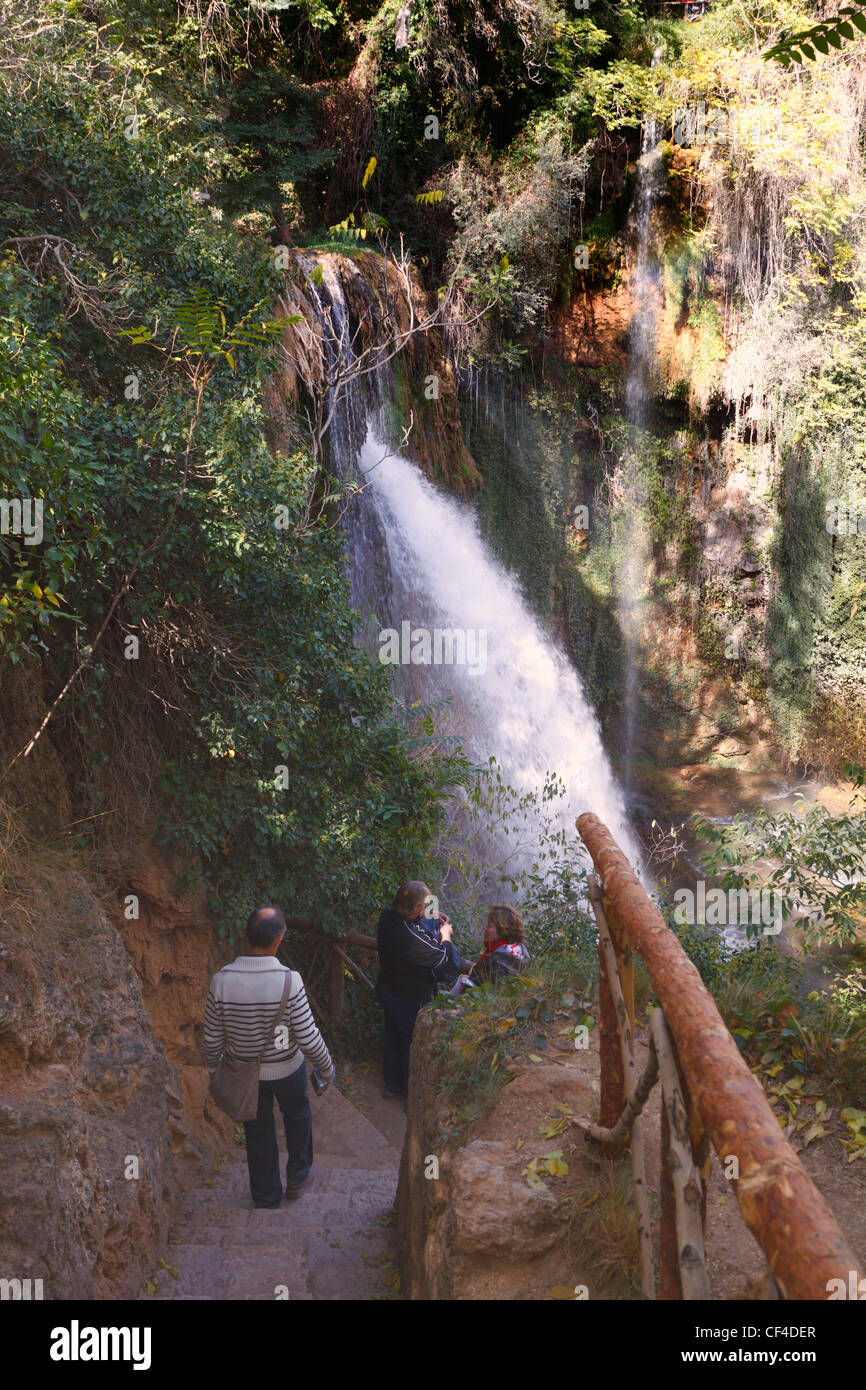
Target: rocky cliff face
[(103, 1103), (478, 1230), (416, 387), (553, 504)]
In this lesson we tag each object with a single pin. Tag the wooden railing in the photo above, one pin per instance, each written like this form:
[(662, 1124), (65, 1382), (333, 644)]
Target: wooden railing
[(331, 959), (709, 1096)]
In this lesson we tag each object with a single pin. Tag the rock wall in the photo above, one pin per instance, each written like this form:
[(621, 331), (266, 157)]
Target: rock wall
[(85, 1098), (478, 1230), (417, 385), (103, 1103)]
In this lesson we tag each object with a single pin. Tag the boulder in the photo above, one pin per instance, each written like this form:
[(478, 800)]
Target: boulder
[(497, 1212)]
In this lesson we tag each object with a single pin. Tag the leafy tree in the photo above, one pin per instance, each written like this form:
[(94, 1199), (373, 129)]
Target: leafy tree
[(820, 38), (286, 771), (270, 133), (817, 863)]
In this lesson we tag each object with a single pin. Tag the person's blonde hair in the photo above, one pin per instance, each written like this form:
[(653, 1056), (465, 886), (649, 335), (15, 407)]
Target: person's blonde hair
[(508, 923)]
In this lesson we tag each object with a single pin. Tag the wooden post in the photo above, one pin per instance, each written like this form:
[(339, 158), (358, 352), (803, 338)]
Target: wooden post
[(701, 1157), (670, 1286), (780, 1204), (337, 980), (613, 1086), (684, 1198), (355, 969), (633, 1083)]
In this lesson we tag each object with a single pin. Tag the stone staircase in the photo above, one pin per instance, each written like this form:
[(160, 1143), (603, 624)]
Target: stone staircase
[(333, 1242)]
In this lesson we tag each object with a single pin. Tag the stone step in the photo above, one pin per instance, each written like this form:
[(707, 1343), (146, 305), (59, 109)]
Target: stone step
[(201, 1275), (386, 1159), (330, 1243), (382, 1159), (272, 1271), (234, 1192), (338, 1128)]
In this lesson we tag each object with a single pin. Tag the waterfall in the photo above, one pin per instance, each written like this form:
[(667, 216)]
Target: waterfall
[(635, 562), (520, 699), (419, 565)]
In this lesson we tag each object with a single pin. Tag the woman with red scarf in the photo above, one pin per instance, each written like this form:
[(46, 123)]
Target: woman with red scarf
[(504, 952)]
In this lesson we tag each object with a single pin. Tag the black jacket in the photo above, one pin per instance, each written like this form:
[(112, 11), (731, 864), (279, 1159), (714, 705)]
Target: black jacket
[(412, 957)]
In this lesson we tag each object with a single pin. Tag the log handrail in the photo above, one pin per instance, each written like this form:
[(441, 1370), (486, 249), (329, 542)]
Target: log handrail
[(338, 960), (308, 928), (780, 1204)]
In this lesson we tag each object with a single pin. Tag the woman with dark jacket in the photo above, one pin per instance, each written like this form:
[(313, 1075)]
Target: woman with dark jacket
[(415, 953), (504, 951)]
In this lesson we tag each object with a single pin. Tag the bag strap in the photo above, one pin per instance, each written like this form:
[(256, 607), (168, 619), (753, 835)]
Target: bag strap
[(278, 1015)]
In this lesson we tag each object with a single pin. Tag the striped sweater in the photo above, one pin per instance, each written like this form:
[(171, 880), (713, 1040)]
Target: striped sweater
[(241, 1004)]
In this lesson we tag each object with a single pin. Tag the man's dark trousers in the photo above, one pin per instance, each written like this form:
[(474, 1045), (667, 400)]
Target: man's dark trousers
[(400, 1016), (263, 1158)]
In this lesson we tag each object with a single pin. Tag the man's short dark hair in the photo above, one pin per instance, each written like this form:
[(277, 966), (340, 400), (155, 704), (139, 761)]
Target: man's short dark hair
[(265, 926), (409, 895)]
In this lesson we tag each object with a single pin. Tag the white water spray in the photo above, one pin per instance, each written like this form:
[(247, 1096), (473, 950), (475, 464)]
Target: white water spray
[(526, 706), (416, 557), (634, 567)]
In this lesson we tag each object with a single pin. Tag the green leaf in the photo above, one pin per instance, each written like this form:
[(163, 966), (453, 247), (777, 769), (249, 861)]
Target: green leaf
[(815, 1131), (553, 1128)]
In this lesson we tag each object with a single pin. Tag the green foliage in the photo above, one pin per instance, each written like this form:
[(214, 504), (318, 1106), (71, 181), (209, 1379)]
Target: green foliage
[(496, 839), (830, 33), (270, 143), (202, 331), (830, 1031), (817, 864), (479, 1035), (760, 995), (285, 770), (816, 626), (556, 912), (704, 946), (300, 787)]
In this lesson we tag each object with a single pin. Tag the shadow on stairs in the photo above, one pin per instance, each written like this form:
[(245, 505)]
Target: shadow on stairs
[(333, 1242)]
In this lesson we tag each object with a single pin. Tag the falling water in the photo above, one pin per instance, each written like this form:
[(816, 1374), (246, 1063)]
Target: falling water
[(417, 561), (521, 700), (634, 565)]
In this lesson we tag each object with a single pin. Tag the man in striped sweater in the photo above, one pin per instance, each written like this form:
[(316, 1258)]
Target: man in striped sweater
[(241, 1004)]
